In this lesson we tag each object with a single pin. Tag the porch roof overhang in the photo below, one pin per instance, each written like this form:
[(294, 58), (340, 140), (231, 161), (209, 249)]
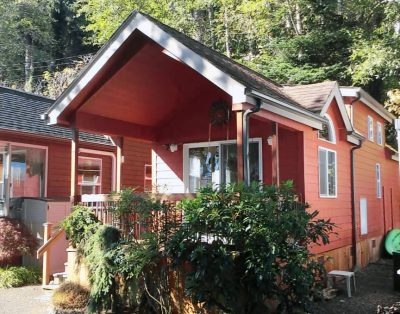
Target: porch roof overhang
[(240, 83)]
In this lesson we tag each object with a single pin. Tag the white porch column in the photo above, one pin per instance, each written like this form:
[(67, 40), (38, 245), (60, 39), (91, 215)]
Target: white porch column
[(7, 180), (74, 163), (118, 142)]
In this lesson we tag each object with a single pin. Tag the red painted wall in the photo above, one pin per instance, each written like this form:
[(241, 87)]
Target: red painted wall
[(136, 156), (337, 209), (379, 209)]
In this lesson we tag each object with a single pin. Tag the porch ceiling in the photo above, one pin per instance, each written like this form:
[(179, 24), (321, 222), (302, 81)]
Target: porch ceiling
[(148, 89)]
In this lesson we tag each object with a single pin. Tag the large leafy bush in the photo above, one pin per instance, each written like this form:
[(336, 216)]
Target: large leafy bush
[(248, 245), (15, 240)]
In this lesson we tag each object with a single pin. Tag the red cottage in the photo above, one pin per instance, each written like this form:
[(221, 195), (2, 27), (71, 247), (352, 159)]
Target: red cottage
[(35, 165), (209, 120)]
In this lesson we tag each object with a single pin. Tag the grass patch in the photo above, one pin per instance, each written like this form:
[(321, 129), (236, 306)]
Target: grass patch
[(19, 276)]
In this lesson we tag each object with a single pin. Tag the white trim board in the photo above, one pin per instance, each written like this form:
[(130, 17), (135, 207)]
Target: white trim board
[(368, 100)]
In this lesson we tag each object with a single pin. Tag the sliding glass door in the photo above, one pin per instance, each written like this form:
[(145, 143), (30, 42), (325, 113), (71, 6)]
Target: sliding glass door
[(26, 166), (215, 163)]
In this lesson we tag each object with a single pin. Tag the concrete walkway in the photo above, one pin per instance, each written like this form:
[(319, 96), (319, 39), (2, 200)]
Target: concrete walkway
[(25, 300)]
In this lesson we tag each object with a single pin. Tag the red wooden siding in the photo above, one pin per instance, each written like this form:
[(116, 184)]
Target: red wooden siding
[(379, 209), (337, 209), (136, 155)]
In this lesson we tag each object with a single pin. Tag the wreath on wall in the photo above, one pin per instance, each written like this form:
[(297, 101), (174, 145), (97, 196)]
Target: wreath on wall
[(219, 113)]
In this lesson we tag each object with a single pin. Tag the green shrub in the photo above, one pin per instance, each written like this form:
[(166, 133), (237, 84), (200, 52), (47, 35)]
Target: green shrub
[(249, 244), (19, 276), (80, 224), (71, 296), (102, 275), (15, 240)]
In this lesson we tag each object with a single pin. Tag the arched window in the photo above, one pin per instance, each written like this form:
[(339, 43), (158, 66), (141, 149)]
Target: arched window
[(328, 130)]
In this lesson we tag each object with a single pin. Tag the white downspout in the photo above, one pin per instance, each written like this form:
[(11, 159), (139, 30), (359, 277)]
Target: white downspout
[(113, 162)]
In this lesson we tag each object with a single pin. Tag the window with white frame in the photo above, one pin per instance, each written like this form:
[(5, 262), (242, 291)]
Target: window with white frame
[(378, 181), (370, 125), (328, 130), (327, 172), (215, 163), (89, 175), (379, 133)]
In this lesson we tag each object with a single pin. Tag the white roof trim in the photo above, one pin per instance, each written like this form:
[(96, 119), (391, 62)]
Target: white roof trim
[(335, 93), (150, 29), (368, 100), (288, 111)]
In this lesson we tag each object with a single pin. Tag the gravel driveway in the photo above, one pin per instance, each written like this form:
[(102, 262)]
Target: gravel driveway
[(25, 300), (374, 287)]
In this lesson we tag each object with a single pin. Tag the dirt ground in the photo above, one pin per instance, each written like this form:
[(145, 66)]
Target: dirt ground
[(374, 287), (25, 300)]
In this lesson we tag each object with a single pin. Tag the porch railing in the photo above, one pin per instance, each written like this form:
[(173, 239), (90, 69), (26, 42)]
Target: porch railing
[(132, 224)]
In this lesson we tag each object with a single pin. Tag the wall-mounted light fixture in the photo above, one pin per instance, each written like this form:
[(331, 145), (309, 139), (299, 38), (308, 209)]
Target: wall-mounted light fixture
[(269, 140), (172, 147)]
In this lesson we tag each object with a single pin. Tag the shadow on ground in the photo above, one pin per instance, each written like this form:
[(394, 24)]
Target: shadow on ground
[(374, 287)]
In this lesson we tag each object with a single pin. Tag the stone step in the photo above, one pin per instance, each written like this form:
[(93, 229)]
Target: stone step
[(59, 278), (50, 286)]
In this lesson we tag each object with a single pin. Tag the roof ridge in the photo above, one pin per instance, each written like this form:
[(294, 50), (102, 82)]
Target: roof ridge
[(24, 93), (244, 67)]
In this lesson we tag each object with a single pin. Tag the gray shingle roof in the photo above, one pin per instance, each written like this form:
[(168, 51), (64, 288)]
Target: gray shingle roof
[(20, 112), (312, 96)]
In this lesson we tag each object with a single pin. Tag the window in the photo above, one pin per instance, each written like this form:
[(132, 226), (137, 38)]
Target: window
[(215, 163), (379, 133), (89, 175), (363, 216), (370, 122), (328, 131), (28, 167), (378, 181), (327, 172)]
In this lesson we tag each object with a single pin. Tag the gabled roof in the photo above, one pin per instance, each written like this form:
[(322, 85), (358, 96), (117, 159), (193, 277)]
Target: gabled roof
[(21, 111), (243, 84), (367, 99), (313, 96)]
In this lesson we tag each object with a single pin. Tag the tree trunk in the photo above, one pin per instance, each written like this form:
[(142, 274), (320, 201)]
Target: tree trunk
[(227, 37), (299, 25), (211, 24), (28, 63)]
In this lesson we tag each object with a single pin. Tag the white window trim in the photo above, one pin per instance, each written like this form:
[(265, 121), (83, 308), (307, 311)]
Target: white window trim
[(370, 131), (327, 177), (186, 148), (378, 180), (331, 130), (379, 131), (39, 147), (100, 185)]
